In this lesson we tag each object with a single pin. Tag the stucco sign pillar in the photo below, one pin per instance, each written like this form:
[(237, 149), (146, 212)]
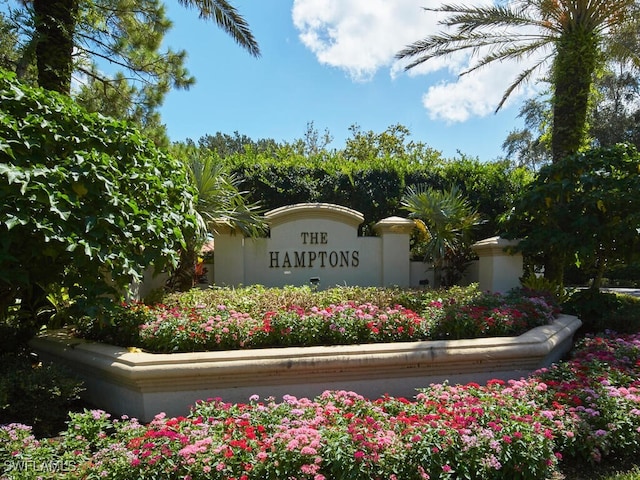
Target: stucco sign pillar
[(500, 270), (395, 233)]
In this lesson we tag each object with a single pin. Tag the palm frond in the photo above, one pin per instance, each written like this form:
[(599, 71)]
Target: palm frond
[(446, 216), (229, 19), (518, 29), (219, 196)]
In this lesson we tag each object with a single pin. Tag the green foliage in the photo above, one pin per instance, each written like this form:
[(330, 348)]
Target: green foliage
[(573, 34), (116, 325), (531, 146), (491, 315), (392, 143), (59, 38), (218, 201), (87, 202), (375, 186), (15, 55), (600, 311), (37, 395), (584, 206), (258, 299), (225, 145), (143, 71), (546, 287), (613, 117), (446, 219), (633, 474), (491, 188), (627, 275)]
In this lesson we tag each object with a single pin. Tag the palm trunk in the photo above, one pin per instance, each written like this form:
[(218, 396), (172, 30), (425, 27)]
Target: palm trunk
[(573, 75), (437, 279), (601, 267), (183, 278), (554, 263), (55, 22)]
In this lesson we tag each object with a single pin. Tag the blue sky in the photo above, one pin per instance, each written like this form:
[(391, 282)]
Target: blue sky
[(330, 62)]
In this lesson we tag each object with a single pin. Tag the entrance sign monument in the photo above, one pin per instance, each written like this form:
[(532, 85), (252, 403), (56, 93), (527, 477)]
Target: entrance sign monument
[(319, 244), (315, 243)]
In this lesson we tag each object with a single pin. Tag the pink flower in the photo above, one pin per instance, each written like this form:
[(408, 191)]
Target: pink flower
[(308, 469)]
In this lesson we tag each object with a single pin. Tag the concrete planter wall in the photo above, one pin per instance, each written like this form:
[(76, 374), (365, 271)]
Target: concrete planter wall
[(142, 384)]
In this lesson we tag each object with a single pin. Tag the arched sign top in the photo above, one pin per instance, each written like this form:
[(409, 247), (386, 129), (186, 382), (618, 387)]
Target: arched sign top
[(328, 211)]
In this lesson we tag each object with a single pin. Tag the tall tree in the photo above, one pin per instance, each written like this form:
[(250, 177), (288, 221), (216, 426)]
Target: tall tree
[(587, 206), (138, 75), (225, 145), (571, 33), (613, 117), (55, 24), (15, 55), (64, 28), (393, 142), (531, 146)]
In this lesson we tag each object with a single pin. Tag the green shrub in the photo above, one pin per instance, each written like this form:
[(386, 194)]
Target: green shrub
[(87, 202), (600, 311), (375, 187), (624, 275), (546, 287), (119, 325), (36, 394), (491, 315), (14, 335)]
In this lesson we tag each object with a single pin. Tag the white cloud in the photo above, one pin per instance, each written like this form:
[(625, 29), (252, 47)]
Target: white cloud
[(360, 36), (363, 36), (477, 94)]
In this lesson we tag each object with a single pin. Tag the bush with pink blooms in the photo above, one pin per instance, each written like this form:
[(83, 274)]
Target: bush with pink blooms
[(585, 408)]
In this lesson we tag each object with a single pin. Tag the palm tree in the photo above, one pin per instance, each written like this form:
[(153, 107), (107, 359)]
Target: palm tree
[(446, 219), (569, 35), (219, 200), (55, 23)]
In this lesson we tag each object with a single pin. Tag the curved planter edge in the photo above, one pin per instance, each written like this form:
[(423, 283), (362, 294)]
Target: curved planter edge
[(141, 384)]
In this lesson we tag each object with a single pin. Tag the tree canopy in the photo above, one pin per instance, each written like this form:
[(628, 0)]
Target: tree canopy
[(586, 207), (113, 49), (613, 117)]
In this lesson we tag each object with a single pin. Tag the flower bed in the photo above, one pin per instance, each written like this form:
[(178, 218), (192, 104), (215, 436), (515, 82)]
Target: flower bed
[(214, 325), (362, 339), (585, 408)]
